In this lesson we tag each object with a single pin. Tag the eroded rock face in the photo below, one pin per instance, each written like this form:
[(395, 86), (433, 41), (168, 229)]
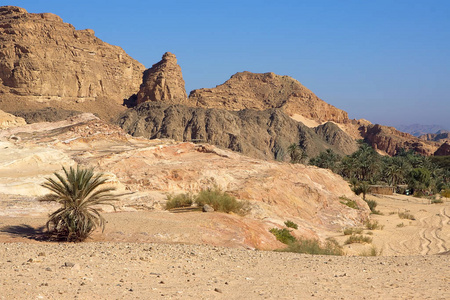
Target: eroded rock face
[(389, 140), (443, 150), (43, 58), (8, 120), (145, 171), (248, 90), (262, 134), (163, 82)]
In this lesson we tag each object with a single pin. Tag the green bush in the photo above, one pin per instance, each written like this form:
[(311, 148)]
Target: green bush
[(352, 230), (373, 225), (436, 201), (445, 193), (291, 224), (400, 225), (220, 201), (283, 235), (360, 239), (372, 252), (372, 205), (349, 203), (406, 215), (180, 200), (312, 246)]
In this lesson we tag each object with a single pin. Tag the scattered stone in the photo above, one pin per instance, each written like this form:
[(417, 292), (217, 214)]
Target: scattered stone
[(69, 264), (217, 290), (207, 208)]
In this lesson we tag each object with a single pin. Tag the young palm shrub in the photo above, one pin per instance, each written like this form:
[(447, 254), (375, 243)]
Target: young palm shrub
[(77, 192)]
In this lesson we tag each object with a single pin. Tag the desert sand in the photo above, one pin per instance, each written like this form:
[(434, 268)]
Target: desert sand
[(154, 254)]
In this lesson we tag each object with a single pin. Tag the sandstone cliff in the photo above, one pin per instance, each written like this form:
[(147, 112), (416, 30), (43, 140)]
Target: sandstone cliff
[(8, 120), (163, 82), (248, 90), (43, 59), (389, 140), (262, 134)]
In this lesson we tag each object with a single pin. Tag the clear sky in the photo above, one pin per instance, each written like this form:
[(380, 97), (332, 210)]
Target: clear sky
[(387, 61)]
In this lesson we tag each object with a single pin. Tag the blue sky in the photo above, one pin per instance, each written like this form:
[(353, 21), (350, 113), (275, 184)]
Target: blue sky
[(385, 61)]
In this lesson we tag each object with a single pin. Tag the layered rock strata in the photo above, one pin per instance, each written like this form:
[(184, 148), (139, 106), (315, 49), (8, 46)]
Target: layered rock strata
[(248, 90), (163, 82), (42, 58)]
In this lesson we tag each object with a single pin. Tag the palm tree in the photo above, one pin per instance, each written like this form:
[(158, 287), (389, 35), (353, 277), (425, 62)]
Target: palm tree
[(296, 153), (77, 193)]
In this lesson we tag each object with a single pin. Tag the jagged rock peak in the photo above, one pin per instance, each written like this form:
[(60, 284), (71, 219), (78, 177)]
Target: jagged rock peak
[(163, 82), (260, 91), (43, 58)]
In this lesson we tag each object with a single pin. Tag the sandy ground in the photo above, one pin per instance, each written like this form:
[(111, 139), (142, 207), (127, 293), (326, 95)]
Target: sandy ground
[(139, 256)]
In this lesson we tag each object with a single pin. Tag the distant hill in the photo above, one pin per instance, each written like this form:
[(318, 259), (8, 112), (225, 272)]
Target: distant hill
[(419, 129)]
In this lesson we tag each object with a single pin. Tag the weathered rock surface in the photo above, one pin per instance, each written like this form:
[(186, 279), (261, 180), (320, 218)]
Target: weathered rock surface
[(248, 90), (146, 170), (43, 59), (389, 140), (441, 136), (262, 134), (8, 120), (163, 82), (443, 150)]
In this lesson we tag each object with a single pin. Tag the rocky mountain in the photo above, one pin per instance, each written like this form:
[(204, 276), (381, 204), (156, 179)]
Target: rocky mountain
[(43, 59), (262, 134), (441, 136), (163, 82), (420, 129), (248, 90)]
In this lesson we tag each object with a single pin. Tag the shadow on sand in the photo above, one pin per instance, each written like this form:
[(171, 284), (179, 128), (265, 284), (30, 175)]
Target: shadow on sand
[(26, 231)]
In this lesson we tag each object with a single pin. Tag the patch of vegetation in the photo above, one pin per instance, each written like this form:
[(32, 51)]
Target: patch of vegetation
[(373, 225), (350, 203), (372, 252), (352, 230), (436, 201), (360, 239), (78, 191), (406, 215), (445, 193), (400, 225), (312, 246), (372, 205), (283, 235), (418, 174), (291, 224), (221, 201), (180, 200)]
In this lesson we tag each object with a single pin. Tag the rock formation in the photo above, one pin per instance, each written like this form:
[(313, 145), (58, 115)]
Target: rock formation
[(145, 170), (163, 82), (441, 136), (8, 120), (262, 134), (389, 140), (43, 59), (443, 150), (248, 90)]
